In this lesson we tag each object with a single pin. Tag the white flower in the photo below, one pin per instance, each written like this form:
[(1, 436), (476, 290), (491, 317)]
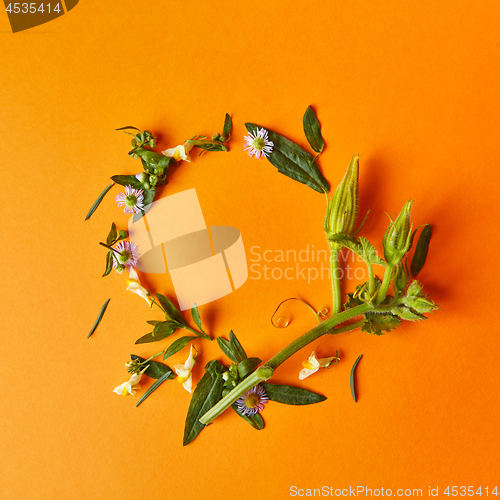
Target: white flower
[(127, 256), (258, 144), (132, 200), (184, 375), (180, 152), (312, 365), (129, 387), (134, 285)]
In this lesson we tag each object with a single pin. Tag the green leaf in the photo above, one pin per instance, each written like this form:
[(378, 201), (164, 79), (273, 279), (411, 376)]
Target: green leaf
[(312, 129), (421, 250), (153, 388), (226, 131), (255, 421), (208, 392), (378, 324), (171, 311), (196, 317), (109, 263), (247, 366), (127, 180), (99, 317), (236, 348), (156, 369), (153, 322), (161, 331), (225, 347), (291, 160), (290, 395), (365, 250), (148, 195), (112, 235), (97, 202), (353, 392), (127, 128), (177, 345)]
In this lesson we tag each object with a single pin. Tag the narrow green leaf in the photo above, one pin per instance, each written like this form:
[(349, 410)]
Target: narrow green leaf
[(112, 235), (226, 131), (196, 317), (109, 263), (127, 180), (225, 347), (153, 388), (353, 392), (97, 202), (153, 322), (290, 395), (98, 320), (421, 250), (177, 345), (208, 392), (128, 127), (236, 348), (312, 129), (291, 160), (170, 309), (255, 421), (155, 369), (247, 366), (161, 331)]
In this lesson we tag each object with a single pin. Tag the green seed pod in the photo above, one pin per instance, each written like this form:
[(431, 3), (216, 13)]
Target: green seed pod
[(342, 209), (397, 238)]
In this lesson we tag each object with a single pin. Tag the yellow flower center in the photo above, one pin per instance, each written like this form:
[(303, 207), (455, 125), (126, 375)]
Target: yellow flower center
[(251, 401), (258, 143), (130, 200)]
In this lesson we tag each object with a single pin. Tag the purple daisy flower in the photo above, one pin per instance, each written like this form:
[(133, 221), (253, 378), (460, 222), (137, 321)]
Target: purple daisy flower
[(252, 401), (257, 144), (132, 200), (129, 256)]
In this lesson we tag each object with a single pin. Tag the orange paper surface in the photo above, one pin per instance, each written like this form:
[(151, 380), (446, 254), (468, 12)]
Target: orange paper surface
[(410, 86)]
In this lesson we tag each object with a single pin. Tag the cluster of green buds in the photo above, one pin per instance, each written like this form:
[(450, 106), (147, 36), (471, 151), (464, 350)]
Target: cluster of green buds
[(397, 238), (416, 300), (140, 140), (342, 209), (231, 379), (136, 366)]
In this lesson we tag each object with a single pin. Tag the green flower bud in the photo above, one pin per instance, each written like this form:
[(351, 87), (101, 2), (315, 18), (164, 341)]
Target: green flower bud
[(420, 304), (400, 279), (120, 268), (342, 209), (153, 180), (123, 234), (215, 137), (414, 290), (397, 238)]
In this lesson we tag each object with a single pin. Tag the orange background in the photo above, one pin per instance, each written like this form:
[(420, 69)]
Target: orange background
[(411, 86)]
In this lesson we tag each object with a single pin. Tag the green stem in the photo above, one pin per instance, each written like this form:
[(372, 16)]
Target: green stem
[(197, 333), (110, 248), (382, 292), (260, 375), (371, 280), (334, 270), (316, 332)]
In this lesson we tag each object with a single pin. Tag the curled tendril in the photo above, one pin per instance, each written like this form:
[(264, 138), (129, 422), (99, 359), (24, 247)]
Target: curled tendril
[(283, 322)]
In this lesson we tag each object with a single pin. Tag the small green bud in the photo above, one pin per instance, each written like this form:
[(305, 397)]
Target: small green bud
[(414, 290), (397, 238), (420, 304), (120, 268), (342, 209), (146, 185), (141, 177), (215, 137), (400, 279), (153, 180), (123, 234)]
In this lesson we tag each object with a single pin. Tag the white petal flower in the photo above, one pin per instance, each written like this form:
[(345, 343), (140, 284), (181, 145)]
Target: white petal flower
[(132, 200), (129, 387), (184, 375), (180, 152), (134, 285), (257, 143), (313, 364)]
